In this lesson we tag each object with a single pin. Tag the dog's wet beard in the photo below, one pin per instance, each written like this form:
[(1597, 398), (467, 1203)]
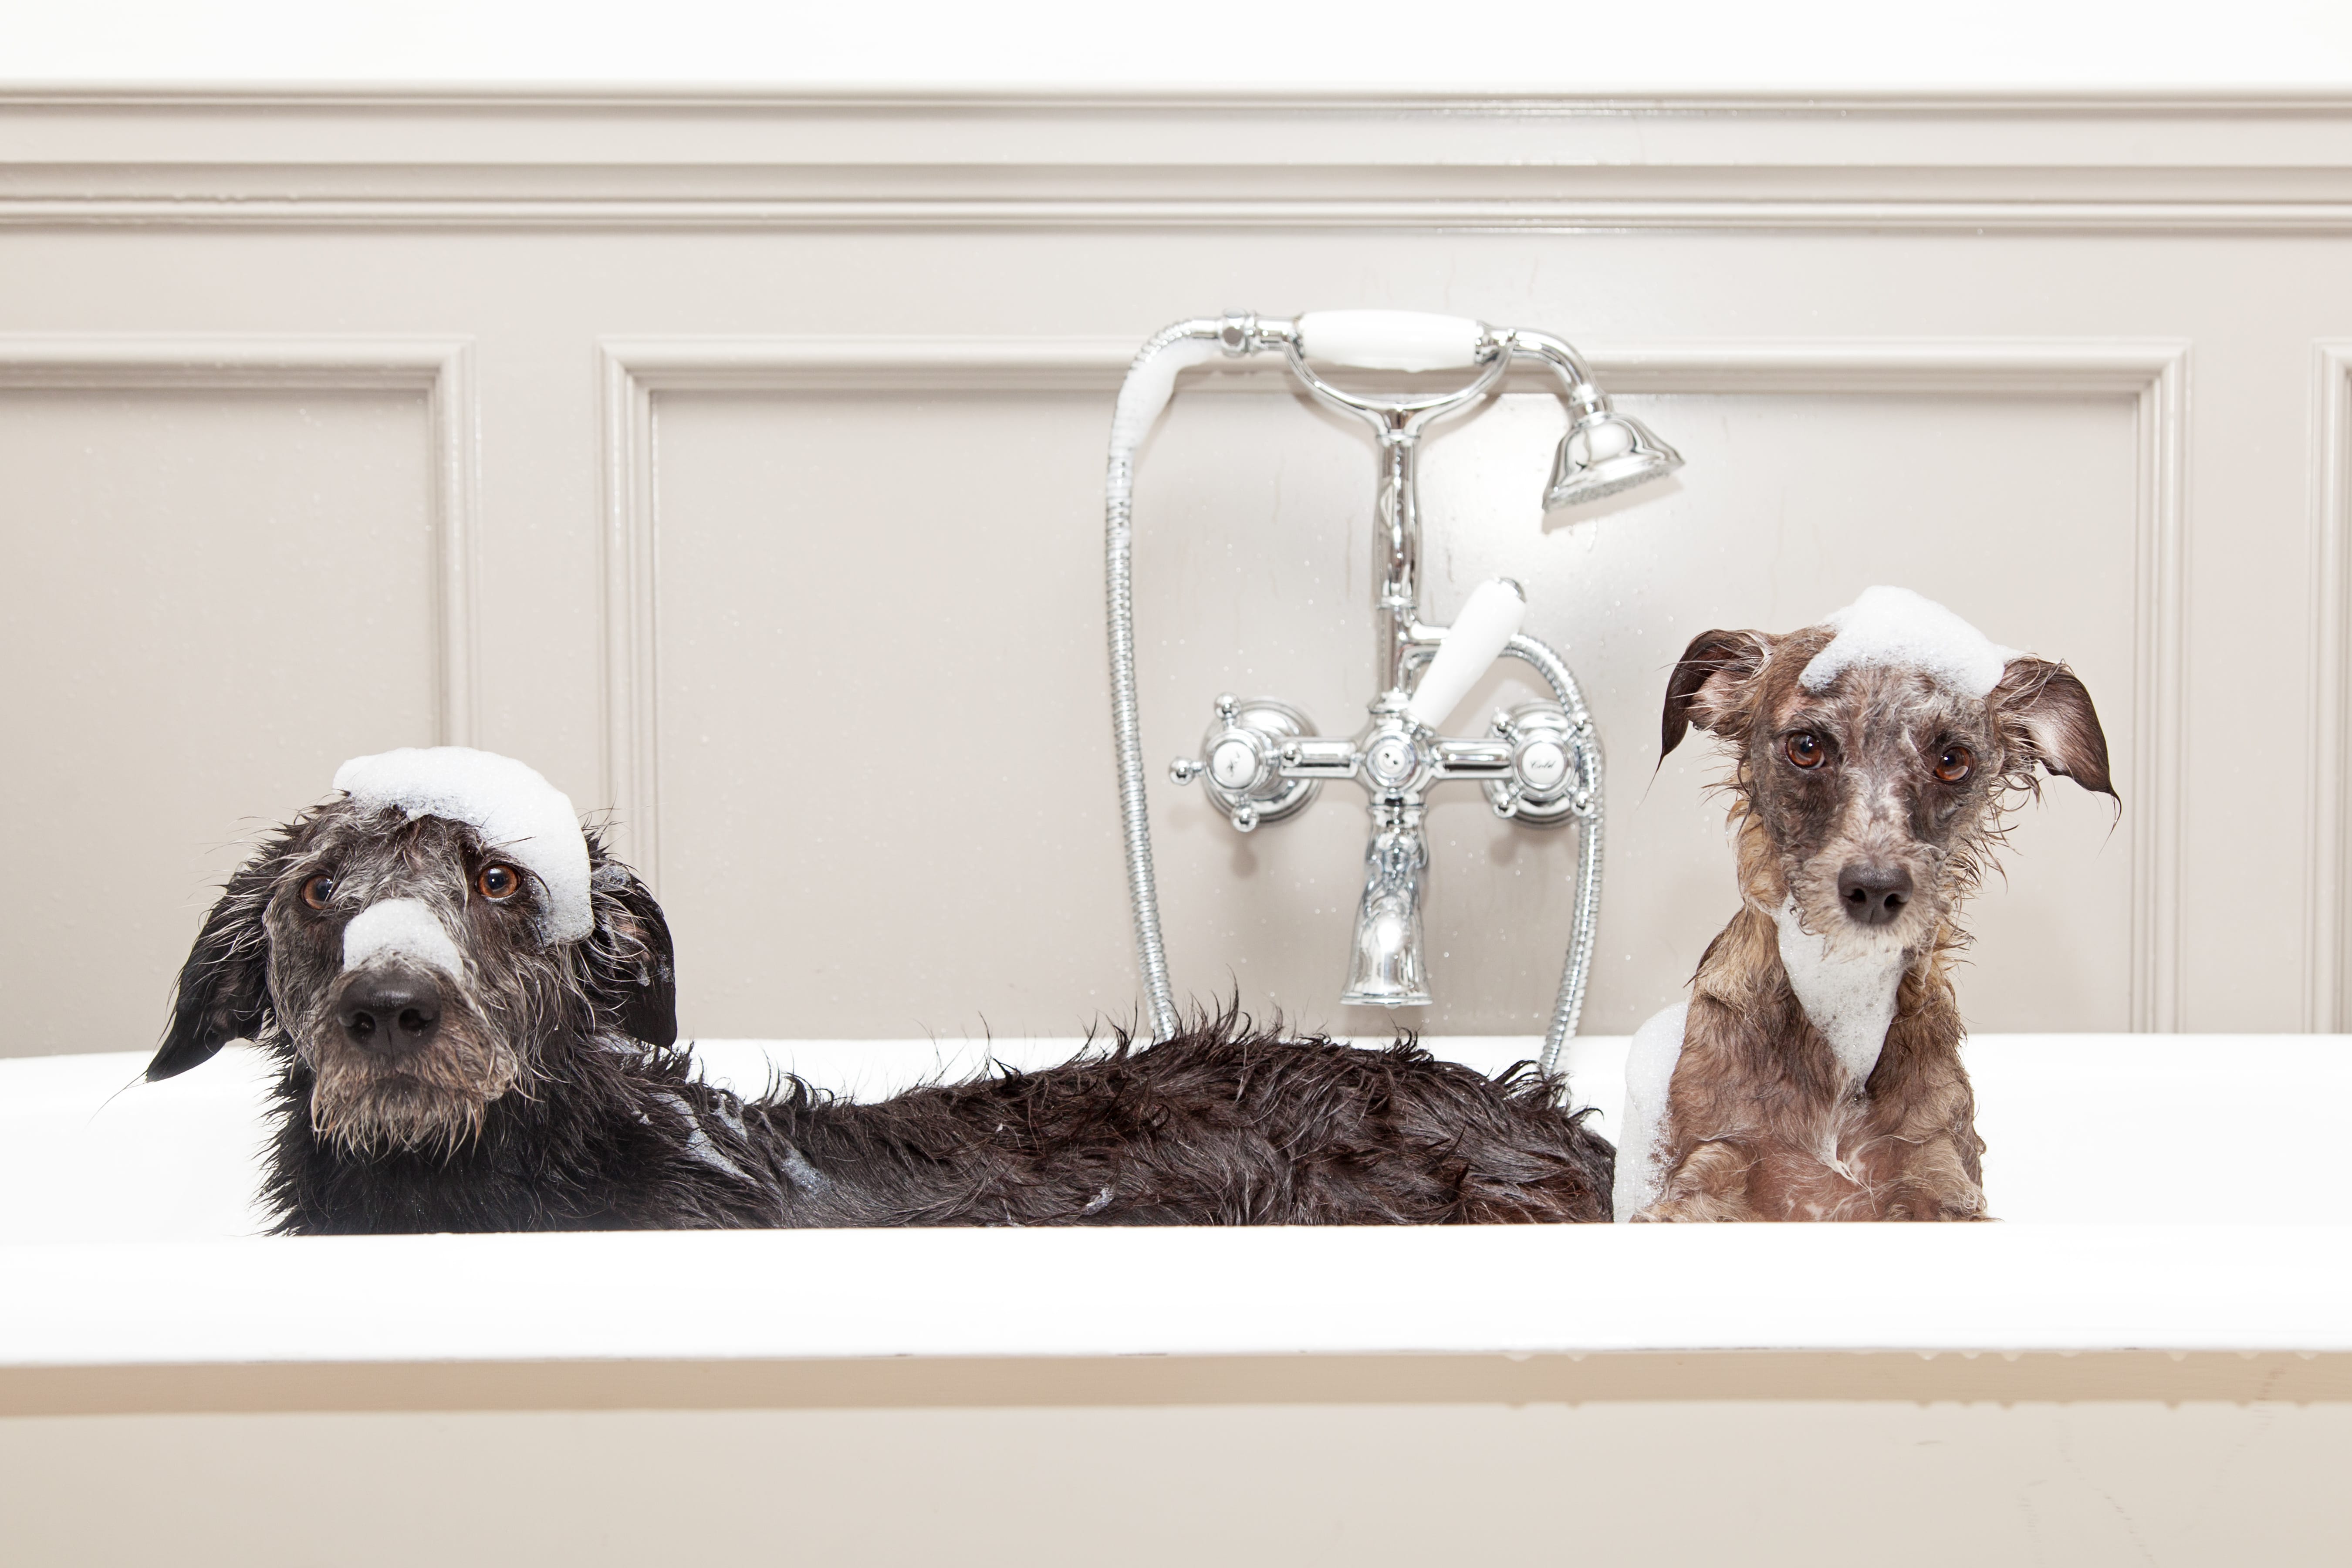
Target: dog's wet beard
[(363, 1111), (434, 1100)]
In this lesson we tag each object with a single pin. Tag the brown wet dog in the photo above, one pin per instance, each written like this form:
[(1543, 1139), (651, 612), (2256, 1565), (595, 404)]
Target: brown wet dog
[(1817, 1073)]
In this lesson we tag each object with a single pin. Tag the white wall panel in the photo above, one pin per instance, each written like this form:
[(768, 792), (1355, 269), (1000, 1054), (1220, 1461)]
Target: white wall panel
[(881, 713), (880, 692), (2052, 360), (214, 596)]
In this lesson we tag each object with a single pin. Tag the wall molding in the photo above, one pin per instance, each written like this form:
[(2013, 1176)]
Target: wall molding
[(1159, 199), (2153, 375), (440, 370), (2328, 1000), (2235, 163), (629, 377)]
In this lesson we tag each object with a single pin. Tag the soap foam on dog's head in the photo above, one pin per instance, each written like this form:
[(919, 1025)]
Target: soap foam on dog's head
[(506, 802), (1897, 628)]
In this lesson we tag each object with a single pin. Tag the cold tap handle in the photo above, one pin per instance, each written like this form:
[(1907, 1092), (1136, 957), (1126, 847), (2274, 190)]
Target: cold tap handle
[(1394, 340), (1477, 638)]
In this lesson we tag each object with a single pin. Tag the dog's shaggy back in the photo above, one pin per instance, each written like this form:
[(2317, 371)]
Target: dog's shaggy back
[(1222, 1125)]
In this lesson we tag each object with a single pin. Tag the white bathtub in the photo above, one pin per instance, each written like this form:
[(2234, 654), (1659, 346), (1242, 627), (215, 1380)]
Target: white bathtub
[(2082, 1129), (2154, 1348)]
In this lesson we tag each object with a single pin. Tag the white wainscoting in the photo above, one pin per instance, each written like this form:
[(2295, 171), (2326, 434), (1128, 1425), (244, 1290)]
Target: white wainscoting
[(2052, 359)]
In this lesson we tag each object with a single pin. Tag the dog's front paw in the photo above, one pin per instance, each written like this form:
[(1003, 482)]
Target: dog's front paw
[(1947, 1207), (1697, 1208)]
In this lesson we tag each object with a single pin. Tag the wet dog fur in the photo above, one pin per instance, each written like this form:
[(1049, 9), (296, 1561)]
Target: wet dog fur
[(545, 1089), (1874, 850)]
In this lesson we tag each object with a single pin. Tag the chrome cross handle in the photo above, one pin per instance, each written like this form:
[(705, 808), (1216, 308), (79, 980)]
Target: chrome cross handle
[(1244, 758), (1258, 765)]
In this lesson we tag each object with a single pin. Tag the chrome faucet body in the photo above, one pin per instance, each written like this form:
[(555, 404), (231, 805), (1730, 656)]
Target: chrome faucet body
[(1260, 762)]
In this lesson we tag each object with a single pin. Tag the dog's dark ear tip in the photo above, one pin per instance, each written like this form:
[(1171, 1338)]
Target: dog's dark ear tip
[(176, 1056)]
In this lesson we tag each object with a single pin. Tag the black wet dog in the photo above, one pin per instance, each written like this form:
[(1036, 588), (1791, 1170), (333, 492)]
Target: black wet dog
[(448, 1065)]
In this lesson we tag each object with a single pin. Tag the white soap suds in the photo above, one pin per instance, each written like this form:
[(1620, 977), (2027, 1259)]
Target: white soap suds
[(1641, 1142), (805, 1176), (403, 928), (1850, 1000), (1149, 386), (506, 802), (1896, 628), (698, 1146)]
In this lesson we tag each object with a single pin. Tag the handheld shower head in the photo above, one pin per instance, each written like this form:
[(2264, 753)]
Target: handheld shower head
[(1604, 452)]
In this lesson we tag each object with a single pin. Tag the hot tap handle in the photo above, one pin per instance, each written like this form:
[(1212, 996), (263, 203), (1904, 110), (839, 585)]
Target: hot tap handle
[(1488, 622), (1245, 757)]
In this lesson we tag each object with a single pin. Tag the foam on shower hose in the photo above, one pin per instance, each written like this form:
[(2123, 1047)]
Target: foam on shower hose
[(512, 808), (1488, 621), (1391, 340), (1147, 388)]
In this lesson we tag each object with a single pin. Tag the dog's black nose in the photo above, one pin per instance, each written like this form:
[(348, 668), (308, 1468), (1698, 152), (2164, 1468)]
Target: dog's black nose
[(1873, 895), (394, 1012)]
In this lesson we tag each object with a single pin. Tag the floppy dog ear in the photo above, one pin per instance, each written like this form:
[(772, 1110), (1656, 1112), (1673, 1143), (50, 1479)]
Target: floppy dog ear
[(224, 990), (1705, 687), (632, 972), (2047, 714)]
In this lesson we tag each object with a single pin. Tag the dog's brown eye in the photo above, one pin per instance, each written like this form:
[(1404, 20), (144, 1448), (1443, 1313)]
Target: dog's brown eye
[(1955, 763), (497, 882), (318, 890), (1805, 748)]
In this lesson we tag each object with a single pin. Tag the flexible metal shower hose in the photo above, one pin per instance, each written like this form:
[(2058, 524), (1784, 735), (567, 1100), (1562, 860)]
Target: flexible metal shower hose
[(1134, 804)]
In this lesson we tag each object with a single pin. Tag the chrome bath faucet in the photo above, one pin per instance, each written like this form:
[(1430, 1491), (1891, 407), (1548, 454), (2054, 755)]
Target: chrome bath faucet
[(1260, 761)]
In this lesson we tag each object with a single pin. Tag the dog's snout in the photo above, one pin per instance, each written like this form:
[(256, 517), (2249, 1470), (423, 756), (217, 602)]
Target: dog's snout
[(1873, 895), (393, 1012)]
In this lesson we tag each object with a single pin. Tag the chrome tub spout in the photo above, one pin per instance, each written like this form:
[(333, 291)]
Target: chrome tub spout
[(1386, 970)]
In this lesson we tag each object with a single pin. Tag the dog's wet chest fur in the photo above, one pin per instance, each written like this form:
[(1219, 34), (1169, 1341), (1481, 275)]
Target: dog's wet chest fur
[(1849, 999), (1816, 1113)]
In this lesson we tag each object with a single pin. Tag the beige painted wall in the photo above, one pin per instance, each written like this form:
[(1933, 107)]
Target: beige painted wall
[(644, 440), (1794, 1459)]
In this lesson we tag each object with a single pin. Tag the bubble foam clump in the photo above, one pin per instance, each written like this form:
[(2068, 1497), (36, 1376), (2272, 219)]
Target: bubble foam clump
[(507, 803), (1897, 628), (403, 928)]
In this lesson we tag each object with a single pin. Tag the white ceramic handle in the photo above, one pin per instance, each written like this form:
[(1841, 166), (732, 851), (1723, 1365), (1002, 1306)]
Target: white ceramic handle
[(1487, 623), (1391, 340)]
